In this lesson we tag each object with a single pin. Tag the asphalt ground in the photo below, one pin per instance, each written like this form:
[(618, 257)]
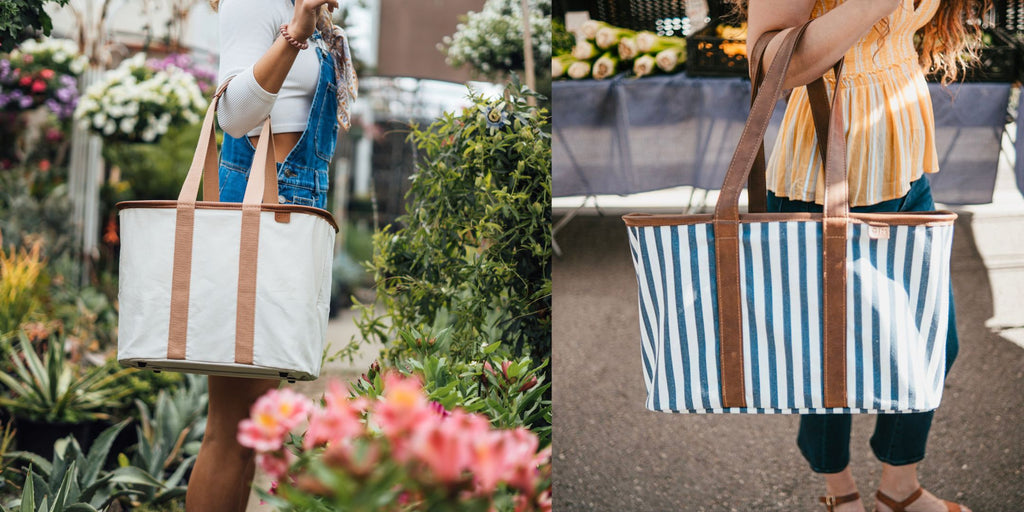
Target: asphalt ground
[(611, 454)]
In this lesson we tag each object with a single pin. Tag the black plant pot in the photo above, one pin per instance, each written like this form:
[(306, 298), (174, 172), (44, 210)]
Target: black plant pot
[(38, 437)]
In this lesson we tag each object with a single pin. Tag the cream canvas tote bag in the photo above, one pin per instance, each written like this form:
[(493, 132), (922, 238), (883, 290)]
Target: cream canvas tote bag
[(236, 289)]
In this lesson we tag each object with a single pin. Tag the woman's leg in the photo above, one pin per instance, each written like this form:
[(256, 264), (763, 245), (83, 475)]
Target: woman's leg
[(899, 439), (824, 439), (223, 473)]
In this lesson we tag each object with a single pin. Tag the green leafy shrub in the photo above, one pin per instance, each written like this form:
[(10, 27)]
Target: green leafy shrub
[(54, 389), (475, 241), (512, 392), (74, 481), (169, 436), (152, 171), (29, 216)]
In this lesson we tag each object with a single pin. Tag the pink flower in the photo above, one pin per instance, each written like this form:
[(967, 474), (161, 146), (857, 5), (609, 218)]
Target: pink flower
[(275, 465), (439, 409), (544, 501), (38, 86), (271, 418), (402, 408), (445, 446), (357, 459), (530, 383), (490, 460), (46, 74), (339, 422), (523, 459)]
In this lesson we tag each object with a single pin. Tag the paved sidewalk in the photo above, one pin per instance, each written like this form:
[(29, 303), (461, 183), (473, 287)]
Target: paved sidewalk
[(611, 454)]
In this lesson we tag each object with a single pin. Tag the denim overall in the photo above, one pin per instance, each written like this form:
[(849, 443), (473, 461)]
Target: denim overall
[(303, 176)]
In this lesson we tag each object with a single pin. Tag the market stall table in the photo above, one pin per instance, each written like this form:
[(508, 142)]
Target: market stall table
[(626, 135)]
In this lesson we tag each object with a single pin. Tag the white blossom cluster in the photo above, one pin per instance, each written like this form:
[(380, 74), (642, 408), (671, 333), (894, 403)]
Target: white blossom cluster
[(60, 51), (135, 103), (491, 41)]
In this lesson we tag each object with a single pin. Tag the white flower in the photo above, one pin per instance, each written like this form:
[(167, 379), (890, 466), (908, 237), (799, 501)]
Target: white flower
[(128, 125), (148, 135), (99, 120), (110, 127)]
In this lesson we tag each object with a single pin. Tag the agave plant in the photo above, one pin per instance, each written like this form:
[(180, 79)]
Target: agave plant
[(76, 482), (53, 389), (169, 438)]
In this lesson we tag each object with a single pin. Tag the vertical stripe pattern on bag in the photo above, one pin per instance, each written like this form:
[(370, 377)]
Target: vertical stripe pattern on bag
[(897, 316)]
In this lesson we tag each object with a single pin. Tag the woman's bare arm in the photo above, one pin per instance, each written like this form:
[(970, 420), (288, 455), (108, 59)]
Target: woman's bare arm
[(271, 70), (824, 42)]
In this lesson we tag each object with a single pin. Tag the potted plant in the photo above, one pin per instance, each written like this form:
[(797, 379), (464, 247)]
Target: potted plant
[(49, 397)]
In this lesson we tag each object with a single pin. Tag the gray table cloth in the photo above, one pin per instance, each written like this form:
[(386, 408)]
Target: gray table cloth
[(627, 135)]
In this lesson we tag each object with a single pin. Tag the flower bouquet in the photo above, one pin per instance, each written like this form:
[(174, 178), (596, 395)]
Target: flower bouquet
[(136, 103), (41, 73), (602, 50), (395, 452)]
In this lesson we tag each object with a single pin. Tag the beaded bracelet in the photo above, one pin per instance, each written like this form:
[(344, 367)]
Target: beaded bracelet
[(291, 40)]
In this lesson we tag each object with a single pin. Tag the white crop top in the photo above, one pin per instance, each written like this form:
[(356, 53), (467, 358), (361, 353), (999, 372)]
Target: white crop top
[(247, 30)]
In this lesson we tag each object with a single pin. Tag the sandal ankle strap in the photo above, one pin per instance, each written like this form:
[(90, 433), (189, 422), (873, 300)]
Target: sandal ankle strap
[(899, 506), (831, 501)]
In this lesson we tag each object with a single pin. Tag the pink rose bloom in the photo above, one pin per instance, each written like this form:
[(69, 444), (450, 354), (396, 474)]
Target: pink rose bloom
[(271, 418)]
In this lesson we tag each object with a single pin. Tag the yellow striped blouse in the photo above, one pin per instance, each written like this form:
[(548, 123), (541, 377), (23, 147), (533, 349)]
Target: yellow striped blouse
[(889, 120)]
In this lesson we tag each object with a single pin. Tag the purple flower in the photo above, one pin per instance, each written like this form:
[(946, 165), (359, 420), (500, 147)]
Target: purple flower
[(25, 102), (68, 81), (66, 94), (3, 100), (53, 105)]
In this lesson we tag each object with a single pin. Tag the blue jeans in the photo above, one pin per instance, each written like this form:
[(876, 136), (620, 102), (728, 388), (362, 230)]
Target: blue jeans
[(899, 439)]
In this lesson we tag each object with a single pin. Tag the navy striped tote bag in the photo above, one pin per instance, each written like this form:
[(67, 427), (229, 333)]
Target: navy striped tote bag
[(804, 313)]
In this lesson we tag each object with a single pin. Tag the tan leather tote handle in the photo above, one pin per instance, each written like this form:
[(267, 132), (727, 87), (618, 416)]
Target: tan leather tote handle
[(261, 185), (750, 153), (205, 162)]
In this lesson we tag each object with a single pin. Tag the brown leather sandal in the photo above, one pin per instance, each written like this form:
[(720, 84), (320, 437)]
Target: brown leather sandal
[(901, 506), (832, 501)]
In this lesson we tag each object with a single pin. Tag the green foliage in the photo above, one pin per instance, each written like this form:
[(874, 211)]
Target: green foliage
[(474, 245), (18, 18), (169, 437), (30, 213), (152, 171), (54, 389), (73, 481), (87, 317), (511, 391)]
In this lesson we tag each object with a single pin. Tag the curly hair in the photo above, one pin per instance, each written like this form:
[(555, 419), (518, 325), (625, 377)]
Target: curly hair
[(948, 45)]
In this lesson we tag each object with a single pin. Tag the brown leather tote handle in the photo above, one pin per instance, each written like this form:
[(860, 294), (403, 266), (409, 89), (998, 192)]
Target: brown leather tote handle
[(750, 153), (756, 182)]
